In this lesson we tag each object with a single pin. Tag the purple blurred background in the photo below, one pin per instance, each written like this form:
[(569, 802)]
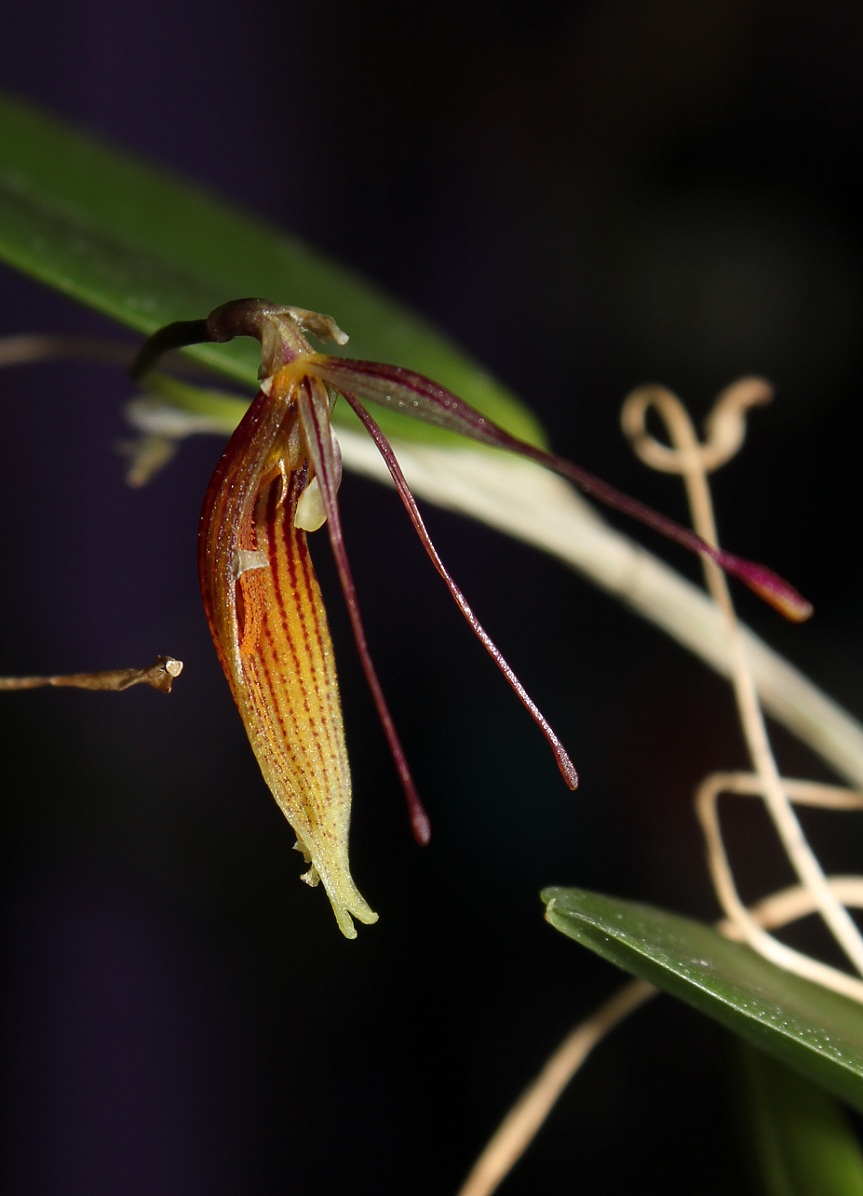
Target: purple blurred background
[(600, 195)]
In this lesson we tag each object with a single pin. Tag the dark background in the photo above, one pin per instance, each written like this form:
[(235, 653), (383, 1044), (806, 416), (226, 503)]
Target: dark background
[(587, 196)]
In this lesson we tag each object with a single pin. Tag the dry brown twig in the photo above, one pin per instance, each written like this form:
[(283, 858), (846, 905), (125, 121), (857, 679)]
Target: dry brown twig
[(829, 897), (160, 675)]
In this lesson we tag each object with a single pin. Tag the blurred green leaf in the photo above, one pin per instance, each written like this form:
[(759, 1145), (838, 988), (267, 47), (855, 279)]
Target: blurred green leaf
[(801, 1139), (814, 1031), (145, 249)]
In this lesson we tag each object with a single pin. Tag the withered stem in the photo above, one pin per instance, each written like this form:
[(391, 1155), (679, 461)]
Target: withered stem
[(159, 676)]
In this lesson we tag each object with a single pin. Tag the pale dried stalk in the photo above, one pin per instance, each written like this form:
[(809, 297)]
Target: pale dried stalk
[(691, 466), (788, 905)]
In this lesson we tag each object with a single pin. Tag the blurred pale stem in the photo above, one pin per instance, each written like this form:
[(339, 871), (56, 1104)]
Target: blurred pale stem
[(526, 1117)]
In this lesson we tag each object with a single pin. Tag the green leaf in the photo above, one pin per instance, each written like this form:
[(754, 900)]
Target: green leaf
[(146, 249), (801, 1139), (814, 1031)]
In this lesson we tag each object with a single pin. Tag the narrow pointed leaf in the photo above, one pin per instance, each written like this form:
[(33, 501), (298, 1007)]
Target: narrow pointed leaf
[(816, 1032), (146, 249)]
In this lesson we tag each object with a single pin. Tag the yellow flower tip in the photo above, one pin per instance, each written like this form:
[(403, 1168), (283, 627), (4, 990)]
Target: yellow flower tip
[(793, 606), (331, 869)]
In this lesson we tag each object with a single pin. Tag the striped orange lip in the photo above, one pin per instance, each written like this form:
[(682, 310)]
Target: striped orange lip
[(268, 622)]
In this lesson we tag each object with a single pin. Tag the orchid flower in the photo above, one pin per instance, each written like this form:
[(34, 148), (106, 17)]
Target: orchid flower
[(278, 480)]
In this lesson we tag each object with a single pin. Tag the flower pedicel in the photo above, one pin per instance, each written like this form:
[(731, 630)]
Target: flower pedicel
[(277, 480)]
